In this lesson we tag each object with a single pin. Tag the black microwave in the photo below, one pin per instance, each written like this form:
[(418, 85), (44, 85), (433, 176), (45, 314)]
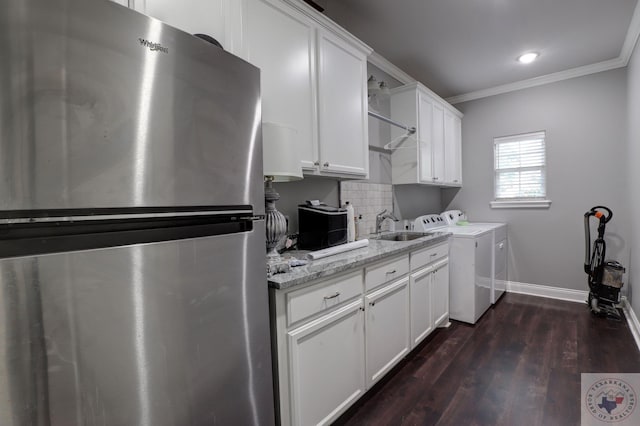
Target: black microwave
[(321, 227)]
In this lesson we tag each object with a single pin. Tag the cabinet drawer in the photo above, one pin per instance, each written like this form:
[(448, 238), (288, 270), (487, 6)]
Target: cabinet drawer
[(328, 294), (430, 254), (500, 233), (381, 273)]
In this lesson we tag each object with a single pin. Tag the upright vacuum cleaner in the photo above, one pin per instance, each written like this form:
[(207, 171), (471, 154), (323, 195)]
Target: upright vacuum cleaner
[(605, 276)]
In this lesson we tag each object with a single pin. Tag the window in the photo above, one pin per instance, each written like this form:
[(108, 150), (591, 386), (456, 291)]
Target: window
[(519, 171)]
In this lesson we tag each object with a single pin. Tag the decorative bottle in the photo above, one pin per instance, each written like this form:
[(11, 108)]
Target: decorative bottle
[(351, 222)]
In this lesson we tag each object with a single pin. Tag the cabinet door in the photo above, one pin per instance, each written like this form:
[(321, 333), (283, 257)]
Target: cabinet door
[(387, 328), (281, 42), (425, 137), (342, 95), (421, 316), (440, 292), (122, 2), (219, 19), (500, 270), (452, 149), (437, 134), (326, 368), (483, 273)]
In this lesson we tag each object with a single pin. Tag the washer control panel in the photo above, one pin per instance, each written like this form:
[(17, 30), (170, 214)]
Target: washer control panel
[(428, 222), (452, 217)]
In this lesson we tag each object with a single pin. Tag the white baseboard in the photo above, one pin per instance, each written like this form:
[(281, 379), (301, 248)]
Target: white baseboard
[(632, 320), (559, 293)]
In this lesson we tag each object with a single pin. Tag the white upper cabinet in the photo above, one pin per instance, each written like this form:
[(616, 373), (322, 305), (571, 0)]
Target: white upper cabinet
[(216, 18), (432, 155), (437, 138), (342, 76), (452, 148), (424, 144), (313, 72), (281, 42)]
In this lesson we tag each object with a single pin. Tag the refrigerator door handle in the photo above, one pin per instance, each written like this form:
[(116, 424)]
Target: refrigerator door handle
[(38, 237), (251, 218), (103, 214)]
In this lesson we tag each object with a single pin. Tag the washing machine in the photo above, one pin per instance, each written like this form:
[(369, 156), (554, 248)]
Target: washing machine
[(500, 248), (470, 272)]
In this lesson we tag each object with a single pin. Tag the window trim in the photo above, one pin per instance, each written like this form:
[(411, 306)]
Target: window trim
[(520, 202)]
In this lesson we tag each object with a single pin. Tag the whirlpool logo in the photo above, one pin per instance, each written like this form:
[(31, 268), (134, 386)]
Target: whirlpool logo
[(154, 47)]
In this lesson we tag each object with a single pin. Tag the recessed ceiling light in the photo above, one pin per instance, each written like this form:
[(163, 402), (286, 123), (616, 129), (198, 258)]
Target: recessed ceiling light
[(527, 58)]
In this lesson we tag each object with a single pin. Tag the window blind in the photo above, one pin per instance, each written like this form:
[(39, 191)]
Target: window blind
[(520, 167)]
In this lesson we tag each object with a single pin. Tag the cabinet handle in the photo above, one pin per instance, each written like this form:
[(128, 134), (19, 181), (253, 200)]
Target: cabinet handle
[(333, 296), (316, 163), (372, 303), (455, 181), (326, 164), (434, 254), (391, 272), (435, 178)]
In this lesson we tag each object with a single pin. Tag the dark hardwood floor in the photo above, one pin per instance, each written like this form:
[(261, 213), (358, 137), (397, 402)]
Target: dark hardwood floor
[(519, 365)]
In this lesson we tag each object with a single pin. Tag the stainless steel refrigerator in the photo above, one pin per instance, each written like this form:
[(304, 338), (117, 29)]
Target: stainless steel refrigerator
[(132, 255)]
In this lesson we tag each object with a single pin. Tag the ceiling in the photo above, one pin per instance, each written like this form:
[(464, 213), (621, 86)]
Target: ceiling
[(462, 47)]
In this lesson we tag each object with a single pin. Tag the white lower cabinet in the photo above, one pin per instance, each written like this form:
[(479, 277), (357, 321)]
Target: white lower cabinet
[(334, 338), (429, 285), (440, 292), (429, 299), (387, 328), (327, 373), (421, 318)]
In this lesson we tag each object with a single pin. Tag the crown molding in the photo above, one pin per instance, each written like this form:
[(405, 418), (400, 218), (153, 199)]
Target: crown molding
[(539, 81), (379, 61), (328, 23), (621, 61), (632, 36), (416, 85)]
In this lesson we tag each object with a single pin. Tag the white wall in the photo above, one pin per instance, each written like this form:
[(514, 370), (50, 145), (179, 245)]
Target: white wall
[(633, 192), (585, 121), (310, 188)]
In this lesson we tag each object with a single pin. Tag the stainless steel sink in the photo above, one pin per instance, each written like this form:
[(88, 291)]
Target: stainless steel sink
[(403, 236)]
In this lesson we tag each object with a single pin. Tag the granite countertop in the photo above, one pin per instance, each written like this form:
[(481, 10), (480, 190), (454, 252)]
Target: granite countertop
[(325, 267)]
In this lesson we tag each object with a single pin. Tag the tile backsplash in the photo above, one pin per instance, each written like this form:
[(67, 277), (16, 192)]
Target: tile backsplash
[(368, 199)]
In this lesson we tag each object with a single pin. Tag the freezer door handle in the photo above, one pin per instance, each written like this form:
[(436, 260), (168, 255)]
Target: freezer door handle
[(251, 218), (35, 238)]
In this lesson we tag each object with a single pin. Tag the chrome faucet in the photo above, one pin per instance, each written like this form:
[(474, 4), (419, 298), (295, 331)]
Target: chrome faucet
[(380, 217)]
